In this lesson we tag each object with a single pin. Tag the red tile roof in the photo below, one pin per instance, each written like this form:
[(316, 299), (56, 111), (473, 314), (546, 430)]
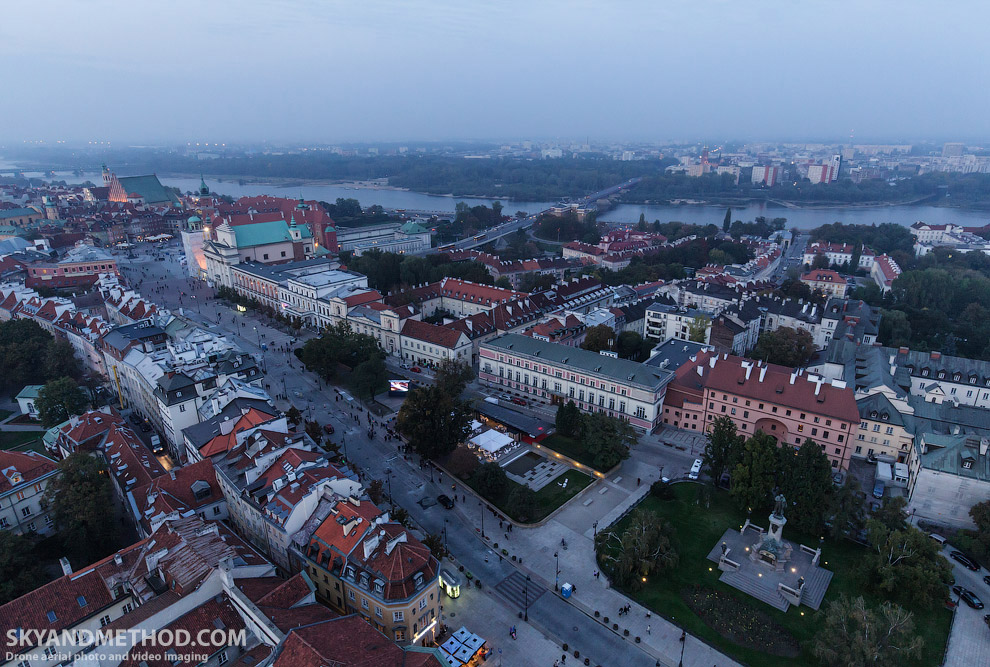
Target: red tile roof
[(431, 333), (224, 442), (348, 640), (18, 469), (823, 276)]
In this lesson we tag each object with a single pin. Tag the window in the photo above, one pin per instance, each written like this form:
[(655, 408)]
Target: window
[(876, 428), (788, 413), (398, 616), (222, 658), (400, 635), (50, 652), (364, 603), (4, 523), (105, 620), (51, 617), (422, 604), (283, 253), (890, 430), (25, 511), (350, 596)]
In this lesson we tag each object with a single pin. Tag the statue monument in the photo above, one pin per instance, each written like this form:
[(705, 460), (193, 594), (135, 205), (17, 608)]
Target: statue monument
[(771, 549)]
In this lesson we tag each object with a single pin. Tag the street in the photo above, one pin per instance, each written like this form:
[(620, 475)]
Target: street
[(555, 620)]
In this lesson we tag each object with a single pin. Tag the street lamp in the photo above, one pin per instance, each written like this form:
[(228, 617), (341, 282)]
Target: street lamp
[(594, 527), (526, 611), (482, 519), (259, 336), (556, 576), (683, 644)]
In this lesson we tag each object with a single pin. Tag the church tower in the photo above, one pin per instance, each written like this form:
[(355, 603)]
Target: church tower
[(107, 177)]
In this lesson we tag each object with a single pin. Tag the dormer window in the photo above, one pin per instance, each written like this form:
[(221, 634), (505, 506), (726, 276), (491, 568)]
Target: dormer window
[(967, 464), (924, 372), (941, 375)]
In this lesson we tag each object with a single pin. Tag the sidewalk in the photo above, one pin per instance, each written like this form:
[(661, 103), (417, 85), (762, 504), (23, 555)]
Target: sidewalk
[(537, 546)]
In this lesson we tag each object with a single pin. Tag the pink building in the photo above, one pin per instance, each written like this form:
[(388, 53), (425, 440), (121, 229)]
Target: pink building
[(789, 404)]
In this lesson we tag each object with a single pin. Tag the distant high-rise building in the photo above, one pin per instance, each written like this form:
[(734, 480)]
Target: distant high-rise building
[(953, 149), (764, 175)]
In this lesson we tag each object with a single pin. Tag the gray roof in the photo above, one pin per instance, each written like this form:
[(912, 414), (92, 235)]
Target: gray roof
[(675, 353), (620, 370), (880, 405), (952, 453), (531, 426), (120, 337)]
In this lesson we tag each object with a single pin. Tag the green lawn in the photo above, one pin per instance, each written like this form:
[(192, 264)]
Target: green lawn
[(698, 529), (552, 496), (548, 499), (15, 439), (568, 447)]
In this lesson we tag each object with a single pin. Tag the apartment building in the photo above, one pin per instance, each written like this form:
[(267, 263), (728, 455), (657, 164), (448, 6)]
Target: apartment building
[(363, 563), (24, 477), (666, 320), (826, 282), (555, 373)]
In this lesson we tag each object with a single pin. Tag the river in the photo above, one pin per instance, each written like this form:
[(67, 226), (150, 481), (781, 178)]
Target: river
[(808, 218)]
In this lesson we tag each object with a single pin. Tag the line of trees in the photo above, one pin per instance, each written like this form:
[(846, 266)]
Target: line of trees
[(30, 355), (389, 271), (434, 418), (606, 440)]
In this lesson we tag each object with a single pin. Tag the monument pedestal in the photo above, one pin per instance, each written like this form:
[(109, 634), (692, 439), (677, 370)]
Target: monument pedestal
[(777, 527)]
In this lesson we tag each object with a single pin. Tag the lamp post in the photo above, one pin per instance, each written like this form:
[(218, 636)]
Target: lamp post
[(259, 336), (482, 506), (594, 527), (556, 576), (526, 611)]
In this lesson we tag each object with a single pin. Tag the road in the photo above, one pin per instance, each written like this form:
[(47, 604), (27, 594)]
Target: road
[(969, 638), (552, 620)]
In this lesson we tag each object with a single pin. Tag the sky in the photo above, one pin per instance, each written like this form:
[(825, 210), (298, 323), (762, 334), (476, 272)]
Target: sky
[(222, 71)]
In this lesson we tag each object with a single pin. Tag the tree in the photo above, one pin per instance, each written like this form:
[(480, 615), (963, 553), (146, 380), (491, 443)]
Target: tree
[(891, 513), (401, 516), (568, 420), (820, 261), (895, 328), (606, 439), (845, 509), (698, 329), (434, 543), (754, 476), (853, 634), (630, 345), (599, 337), (453, 376), (906, 566), (644, 547), (81, 501), (785, 346), (294, 416), (60, 360), (503, 282), (20, 570), (30, 355), (857, 253), (433, 421), (461, 462), (58, 400), (376, 491), (722, 449), (314, 431), (521, 503), (490, 480), (369, 377), (977, 542), (727, 221), (807, 488)]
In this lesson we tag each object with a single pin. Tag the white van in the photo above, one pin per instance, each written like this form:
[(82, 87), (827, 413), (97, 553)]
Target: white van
[(938, 538), (695, 469)]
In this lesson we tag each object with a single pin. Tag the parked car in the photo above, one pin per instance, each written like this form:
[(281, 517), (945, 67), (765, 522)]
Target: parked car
[(518, 401), (986, 580), (878, 489), (416, 369), (328, 428), (968, 597), (146, 427), (445, 501), (695, 469), (427, 502), (965, 561)]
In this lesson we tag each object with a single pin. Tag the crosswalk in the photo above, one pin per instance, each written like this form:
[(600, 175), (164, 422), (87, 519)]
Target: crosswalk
[(515, 589)]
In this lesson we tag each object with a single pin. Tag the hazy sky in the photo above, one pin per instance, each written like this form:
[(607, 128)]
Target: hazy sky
[(323, 70)]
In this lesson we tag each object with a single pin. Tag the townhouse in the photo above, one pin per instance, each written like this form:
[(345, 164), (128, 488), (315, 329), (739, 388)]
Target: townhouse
[(665, 320), (839, 254), (363, 563), (827, 282)]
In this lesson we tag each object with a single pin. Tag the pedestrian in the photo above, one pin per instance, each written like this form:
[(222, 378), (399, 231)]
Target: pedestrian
[(648, 629)]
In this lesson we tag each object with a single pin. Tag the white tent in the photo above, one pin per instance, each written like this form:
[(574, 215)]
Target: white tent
[(491, 440)]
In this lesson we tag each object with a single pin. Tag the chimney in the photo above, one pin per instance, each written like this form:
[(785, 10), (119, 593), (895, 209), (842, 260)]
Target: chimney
[(171, 473), (118, 560), (763, 372), (935, 356), (793, 376), (66, 568), (749, 369)]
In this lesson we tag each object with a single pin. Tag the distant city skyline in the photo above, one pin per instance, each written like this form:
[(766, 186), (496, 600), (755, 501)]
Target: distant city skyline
[(388, 71)]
